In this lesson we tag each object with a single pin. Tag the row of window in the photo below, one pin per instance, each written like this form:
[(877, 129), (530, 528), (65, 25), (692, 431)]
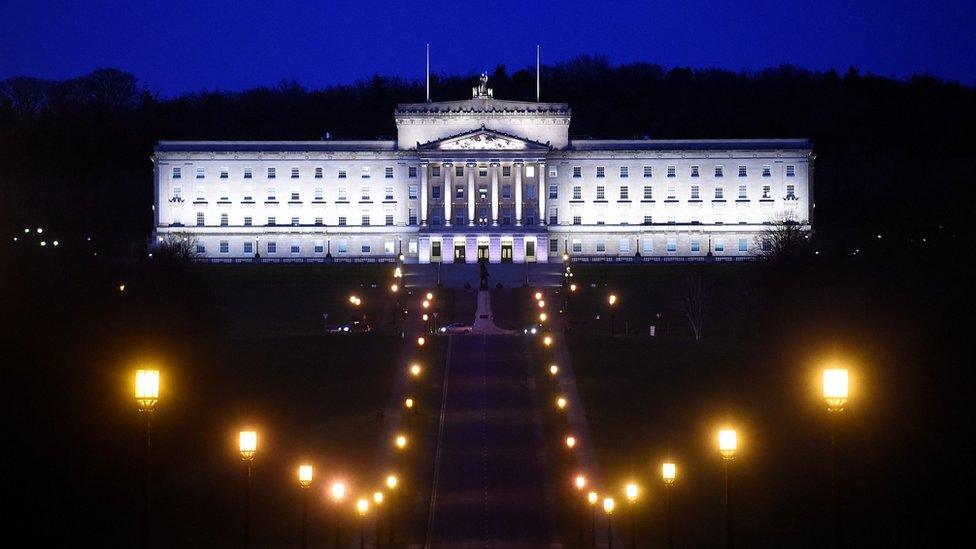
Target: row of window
[(272, 221), (671, 192), (318, 194), (647, 246), (624, 218), (435, 171), (672, 171), (272, 173), (295, 248)]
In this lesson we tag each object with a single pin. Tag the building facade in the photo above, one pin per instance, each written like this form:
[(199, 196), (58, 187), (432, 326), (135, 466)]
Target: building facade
[(480, 178)]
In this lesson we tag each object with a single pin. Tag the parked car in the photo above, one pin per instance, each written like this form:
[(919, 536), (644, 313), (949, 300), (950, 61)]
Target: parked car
[(355, 326), (532, 330), (456, 328)]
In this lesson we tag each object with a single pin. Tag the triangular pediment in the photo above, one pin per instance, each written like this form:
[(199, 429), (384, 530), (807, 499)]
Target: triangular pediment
[(483, 139)]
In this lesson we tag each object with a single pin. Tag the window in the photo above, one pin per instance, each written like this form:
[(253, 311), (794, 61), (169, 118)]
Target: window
[(577, 192), (294, 173), (719, 193), (648, 219), (366, 172), (530, 170), (271, 221), (318, 247), (412, 192), (177, 173), (247, 173), (389, 219), (388, 195), (790, 170), (577, 246), (459, 191), (342, 173), (694, 171), (248, 195), (248, 221), (553, 216), (435, 171), (553, 172), (719, 171), (177, 194), (767, 245), (224, 194), (295, 196), (459, 218), (459, 171), (295, 248), (435, 191), (201, 249), (224, 220), (648, 171), (365, 220), (272, 247), (743, 245), (342, 194), (648, 245), (366, 248), (318, 172), (295, 221), (624, 245), (696, 245), (319, 193), (695, 192), (671, 194), (553, 245), (671, 171), (343, 247), (623, 216), (553, 191), (364, 195), (577, 218), (272, 194), (224, 247), (318, 221), (601, 247), (412, 216), (201, 194), (200, 219), (765, 193), (742, 171), (200, 173), (271, 173), (388, 172), (506, 216), (342, 221), (577, 171), (412, 247), (482, 171), (388, 247), (507, 191), (530, 192), (600, 171), (506, 171), (672, 245), (791, 192), (411, 171), (624, 193), (248, 247), (624, 171), (719, 245), (600, 192), (601, 217), (648, 193), (742, 192), (767, 170)]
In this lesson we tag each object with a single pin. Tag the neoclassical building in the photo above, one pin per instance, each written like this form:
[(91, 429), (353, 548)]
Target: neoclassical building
[(480, 178)]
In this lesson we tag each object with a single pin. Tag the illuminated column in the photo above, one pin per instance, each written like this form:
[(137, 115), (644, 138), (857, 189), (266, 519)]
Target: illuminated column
[(448, 192), (471, 169), (518, 193), (494, 193), (542, 194), (423, 193)]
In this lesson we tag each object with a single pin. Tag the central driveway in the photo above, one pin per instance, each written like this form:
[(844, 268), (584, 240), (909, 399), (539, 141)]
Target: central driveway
[(490, 478)]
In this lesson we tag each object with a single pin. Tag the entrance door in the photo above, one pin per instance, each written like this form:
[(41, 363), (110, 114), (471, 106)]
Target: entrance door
[(506, 252), (530, 251), (435, 251), (459, 253), (483, 251)]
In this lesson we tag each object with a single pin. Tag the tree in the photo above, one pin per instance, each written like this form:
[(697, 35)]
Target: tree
[(176, 248), (784, 240), (694, 296)]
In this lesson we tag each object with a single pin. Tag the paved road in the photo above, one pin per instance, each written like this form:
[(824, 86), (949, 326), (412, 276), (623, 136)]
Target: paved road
[(490, 487)]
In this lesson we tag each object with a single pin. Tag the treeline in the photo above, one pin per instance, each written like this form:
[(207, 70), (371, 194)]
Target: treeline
[(893, 156)]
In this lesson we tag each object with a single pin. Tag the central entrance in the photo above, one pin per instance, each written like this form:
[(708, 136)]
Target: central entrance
[(483, 251), (459, 256), (506, 252)]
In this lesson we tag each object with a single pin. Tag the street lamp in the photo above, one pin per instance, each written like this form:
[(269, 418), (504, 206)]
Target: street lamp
[(612, 300), (304, 480), (400, 441), (394, 288), (538, 296), (547, 341), (429, 296), (338, 495), (630, 490), (408, 403), (378, 498), (608, 505), (421, 341), (362, 507), (415, 370), (248, 446), (147, 396), (570, 442), (669, 472), (553, 370), (542, 317), (391, 484), (542, 304), (836, 389), (727, 445), (580, 483), (572, 287), (561, 403)]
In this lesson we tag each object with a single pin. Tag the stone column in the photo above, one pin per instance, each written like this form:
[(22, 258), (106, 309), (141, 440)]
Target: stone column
[(423, 193), (448, 192), (494, 193), (542, 195), (472, 168), (518, 193)]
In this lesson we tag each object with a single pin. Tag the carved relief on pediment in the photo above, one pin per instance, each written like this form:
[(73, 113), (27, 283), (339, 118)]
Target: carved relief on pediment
[(484, 142)]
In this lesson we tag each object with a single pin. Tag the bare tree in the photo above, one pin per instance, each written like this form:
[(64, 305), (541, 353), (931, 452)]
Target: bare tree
[(176, 248), (695, 295), (783, 240)]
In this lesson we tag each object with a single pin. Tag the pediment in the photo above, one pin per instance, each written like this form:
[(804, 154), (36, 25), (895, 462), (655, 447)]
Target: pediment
[(483, 140)]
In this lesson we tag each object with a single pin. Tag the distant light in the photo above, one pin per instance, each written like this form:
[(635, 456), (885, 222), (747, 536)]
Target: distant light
[(338, 492), (248, 444), (391, 482), (542, 303), (415, 370), (561, 403), (572, 287), (408, 403), (26, 231), (430, 296), (543, 317), (43, 243), (362, 506), (421, 341), (40, 230), (570, 442), (727, 443), (147, 389), (835, 388), (592, 498), (630, 490), (538, 296), (378, 498), (400, 441), (612, 299), (121, 287), (305, 475), (425, 317), (394, 288), (15, 239), (425, 304), (553, 369), (608, 505), (879, 237), (56, 243), (669, 472), (580, 482)]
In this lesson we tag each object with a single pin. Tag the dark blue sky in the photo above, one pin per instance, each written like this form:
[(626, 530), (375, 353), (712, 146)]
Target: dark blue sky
[(179, 46)]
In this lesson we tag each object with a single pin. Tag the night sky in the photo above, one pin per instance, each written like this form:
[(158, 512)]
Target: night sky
[(180, 46)]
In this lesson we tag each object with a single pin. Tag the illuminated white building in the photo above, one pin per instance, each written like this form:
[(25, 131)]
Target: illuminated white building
[(477, 178)]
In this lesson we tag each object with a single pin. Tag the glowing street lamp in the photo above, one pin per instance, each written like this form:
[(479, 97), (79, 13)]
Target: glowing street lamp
[(429, 296), (400, 442), (592, 498), (391, 484), (425, 304), (728, 443), (542, 304), (836, 389), (572, 287), (669, 473), (612, 300), (561, 403), (415, 370), (408, 403), (542, 317), (378, 498), (421, 341), (248, 446), (338, 492), (304, 480), (547, 341), (580, 483), (394, 288), (630, 491), (608, 506), (553, 370), (565, 257), (570, 442), (362, 507), (147, 396), (538, 296)]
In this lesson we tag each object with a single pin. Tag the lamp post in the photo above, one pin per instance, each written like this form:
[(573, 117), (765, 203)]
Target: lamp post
[(592, 498), (836, 388), (631, 490), (580, 482), (669, 472), (338, 495), (612, 300), (362, 507), (304, 480), (147, 396), (248, 446), (608, 506), (561, 403), (570, 442), (378, 501), (391, 484), (727, 445)]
